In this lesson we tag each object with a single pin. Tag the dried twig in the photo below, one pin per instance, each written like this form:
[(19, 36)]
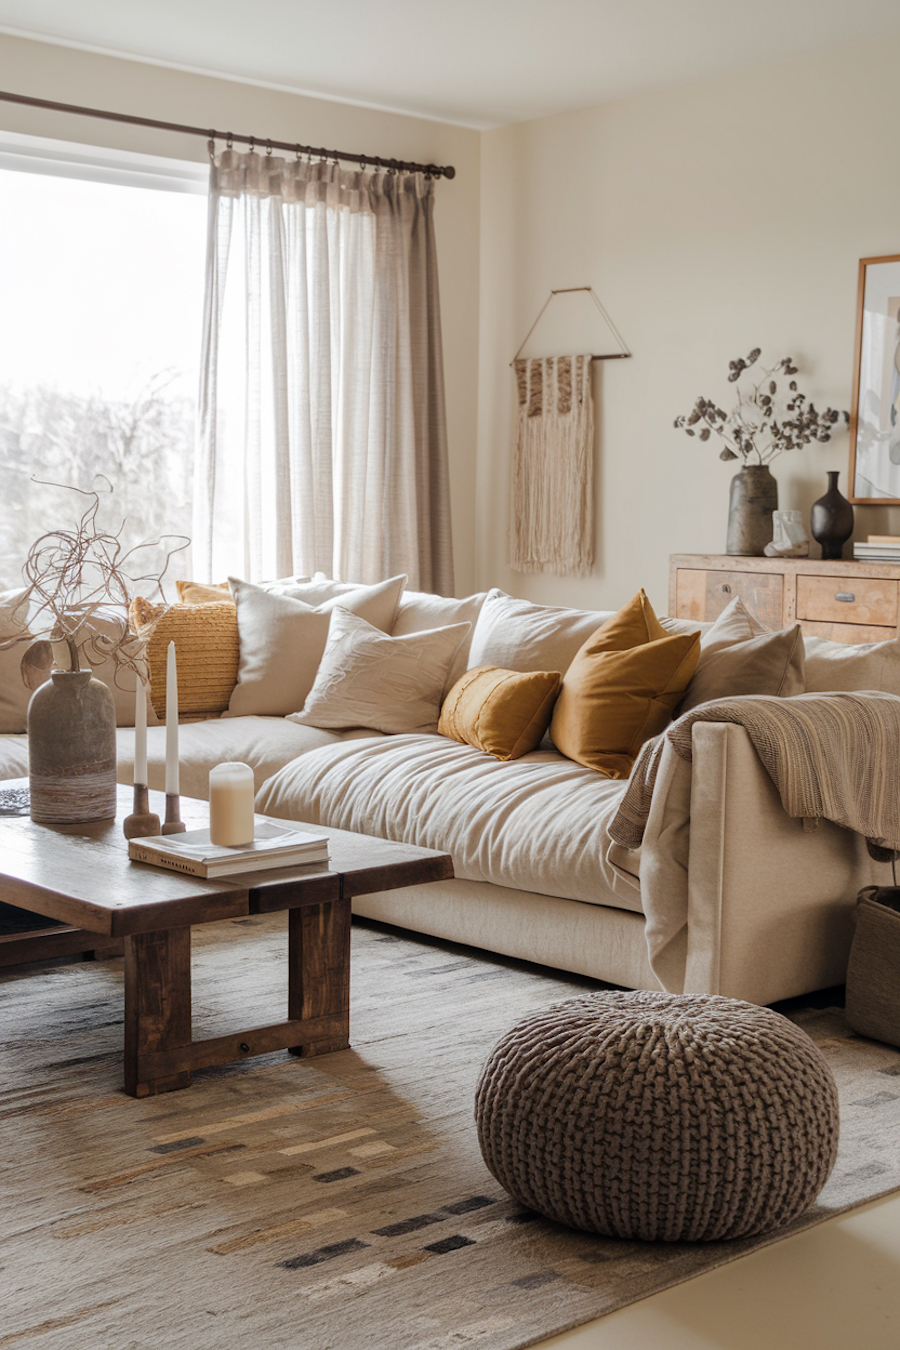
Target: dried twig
[(72, 578)]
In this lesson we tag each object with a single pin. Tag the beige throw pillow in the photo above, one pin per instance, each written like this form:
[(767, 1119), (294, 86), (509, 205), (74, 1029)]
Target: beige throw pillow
[(771, 663), (514, 634), (734, 624), (390, 684), (282, 640)]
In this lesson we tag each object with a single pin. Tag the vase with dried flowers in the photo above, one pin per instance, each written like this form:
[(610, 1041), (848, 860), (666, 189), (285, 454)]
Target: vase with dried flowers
[(75, 578), (768, 420)]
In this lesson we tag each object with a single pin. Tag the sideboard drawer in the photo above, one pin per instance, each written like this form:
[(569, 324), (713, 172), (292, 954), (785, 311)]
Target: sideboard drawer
[(847, 632), (862, 601), (702, 595)]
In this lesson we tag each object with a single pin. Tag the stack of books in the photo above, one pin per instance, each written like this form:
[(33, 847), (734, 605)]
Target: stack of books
[(879, 548), (194, 855)]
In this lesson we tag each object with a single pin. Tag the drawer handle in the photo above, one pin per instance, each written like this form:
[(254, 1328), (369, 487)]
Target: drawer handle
[(846, 597), (726, 590)]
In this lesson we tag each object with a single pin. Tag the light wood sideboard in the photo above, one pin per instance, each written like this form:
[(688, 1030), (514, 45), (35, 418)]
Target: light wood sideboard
[(843, 601)]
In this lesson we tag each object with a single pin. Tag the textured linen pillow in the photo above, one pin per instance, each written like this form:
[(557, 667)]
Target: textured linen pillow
[(14, 692), (502, 712), (420, 611), (390, 684), (514, 634), (206, 648), (838, 665), (621, 688), (282, 641), (771, 663)]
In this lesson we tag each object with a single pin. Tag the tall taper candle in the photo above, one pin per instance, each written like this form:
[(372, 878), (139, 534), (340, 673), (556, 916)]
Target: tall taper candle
[(173, 786), (140, 732)]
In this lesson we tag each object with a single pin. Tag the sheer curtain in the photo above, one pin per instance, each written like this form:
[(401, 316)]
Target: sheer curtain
[(322, 438)]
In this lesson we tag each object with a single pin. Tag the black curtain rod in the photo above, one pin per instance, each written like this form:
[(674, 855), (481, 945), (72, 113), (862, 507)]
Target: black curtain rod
[(434, 170)]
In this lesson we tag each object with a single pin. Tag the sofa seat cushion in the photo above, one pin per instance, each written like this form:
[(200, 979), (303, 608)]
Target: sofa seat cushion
[(265, 743), (538, 823), (13, 756)]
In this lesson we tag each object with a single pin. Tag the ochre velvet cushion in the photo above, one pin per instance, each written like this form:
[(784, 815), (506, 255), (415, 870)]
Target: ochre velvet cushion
[(206, 648), (621, 688), (502, 712), (199, 593)]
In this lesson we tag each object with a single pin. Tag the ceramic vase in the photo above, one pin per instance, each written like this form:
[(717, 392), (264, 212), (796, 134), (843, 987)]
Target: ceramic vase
[(831, 519), (754, 496), (72, 749)]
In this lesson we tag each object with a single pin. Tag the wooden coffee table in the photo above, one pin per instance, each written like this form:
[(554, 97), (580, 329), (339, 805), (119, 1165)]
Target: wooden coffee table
[(82, 876)]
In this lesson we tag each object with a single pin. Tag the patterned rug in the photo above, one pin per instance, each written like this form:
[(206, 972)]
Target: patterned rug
[(333, 1204)]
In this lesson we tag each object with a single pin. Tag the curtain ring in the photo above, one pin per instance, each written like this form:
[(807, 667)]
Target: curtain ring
[(298, 154), (229, 141), (362, 163), (252, 145), (211, 147), (268, 149)]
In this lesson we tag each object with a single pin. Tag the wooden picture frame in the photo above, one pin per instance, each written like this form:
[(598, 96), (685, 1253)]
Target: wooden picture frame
[(875, 411)]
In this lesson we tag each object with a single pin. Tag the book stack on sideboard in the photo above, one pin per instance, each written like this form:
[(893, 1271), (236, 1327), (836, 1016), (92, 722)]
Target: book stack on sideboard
[(845, 601)]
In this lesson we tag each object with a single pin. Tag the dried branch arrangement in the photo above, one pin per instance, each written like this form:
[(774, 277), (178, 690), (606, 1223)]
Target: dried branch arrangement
[(767, 419), (73, 578)]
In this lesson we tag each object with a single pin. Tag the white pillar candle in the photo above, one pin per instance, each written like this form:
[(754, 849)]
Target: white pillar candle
[(231, 804), (173, 786), (140, 732)]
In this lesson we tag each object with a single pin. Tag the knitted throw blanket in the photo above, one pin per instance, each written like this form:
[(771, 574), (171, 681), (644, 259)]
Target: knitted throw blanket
[(835, 756)]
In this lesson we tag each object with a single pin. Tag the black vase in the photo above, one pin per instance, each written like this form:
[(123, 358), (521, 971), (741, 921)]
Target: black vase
[(831, 519)]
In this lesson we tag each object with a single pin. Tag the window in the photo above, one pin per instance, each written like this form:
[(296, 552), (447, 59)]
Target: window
[(101, 296)]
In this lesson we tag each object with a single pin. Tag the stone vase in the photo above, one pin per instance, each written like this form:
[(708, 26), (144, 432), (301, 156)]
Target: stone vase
[(831, 519), (754, 496), (72, 749)]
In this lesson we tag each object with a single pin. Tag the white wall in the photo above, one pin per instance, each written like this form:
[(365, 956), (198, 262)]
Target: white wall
[(710, 218), (66, 75)]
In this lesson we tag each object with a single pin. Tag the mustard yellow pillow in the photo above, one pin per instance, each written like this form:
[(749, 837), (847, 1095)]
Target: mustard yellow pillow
[(502, 712), (206, 647), (199, 593), (621, 688)]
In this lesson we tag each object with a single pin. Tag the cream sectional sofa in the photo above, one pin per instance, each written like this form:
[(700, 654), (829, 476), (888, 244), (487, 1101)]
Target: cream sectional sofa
[(726, 895)]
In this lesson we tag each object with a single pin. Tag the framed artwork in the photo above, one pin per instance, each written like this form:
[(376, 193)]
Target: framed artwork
[(875, 413)]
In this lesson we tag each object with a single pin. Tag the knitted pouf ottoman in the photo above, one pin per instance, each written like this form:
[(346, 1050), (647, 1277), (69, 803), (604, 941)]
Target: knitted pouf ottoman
[(659, 1116)]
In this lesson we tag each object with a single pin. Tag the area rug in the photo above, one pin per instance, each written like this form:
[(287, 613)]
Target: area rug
[(333, 1204)]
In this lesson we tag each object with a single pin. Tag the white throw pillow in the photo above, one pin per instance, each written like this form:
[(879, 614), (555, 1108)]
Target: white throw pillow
[(282, 640), (864, 665), (517, 635), (420, 611), (14, 693), (390, 684), (106, 625)]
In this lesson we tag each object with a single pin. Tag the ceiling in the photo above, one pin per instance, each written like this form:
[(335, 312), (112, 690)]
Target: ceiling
[(479, 63)]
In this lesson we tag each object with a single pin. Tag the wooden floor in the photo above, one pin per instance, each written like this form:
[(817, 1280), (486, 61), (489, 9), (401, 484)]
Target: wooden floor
[(833, 1287)]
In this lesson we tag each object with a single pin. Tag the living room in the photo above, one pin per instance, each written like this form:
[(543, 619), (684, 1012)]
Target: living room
[(713, 209)]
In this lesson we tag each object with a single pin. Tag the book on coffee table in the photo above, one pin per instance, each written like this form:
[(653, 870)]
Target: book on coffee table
[(193, 854)]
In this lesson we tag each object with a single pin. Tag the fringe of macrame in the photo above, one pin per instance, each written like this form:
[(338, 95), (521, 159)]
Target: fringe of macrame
[(552, 487)]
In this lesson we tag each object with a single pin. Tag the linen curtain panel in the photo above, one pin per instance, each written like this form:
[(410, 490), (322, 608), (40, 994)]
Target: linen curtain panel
[(322, 437)]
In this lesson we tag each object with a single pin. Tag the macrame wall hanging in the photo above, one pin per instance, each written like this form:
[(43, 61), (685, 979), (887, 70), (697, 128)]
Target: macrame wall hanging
[(551, 513)]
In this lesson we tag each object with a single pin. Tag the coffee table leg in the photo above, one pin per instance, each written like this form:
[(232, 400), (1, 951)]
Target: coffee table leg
[(157, 1005), (319, 970)]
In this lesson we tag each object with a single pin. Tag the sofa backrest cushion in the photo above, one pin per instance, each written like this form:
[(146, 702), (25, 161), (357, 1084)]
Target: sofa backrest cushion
[(838, 665), (14, 692), (282, 640), (368, 679), (502, 712), (517, 635), (621, 688)]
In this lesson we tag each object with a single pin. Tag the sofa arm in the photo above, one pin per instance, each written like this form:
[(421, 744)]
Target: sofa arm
[(739, 898)]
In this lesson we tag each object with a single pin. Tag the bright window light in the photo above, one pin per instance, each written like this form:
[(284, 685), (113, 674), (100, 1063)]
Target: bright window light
[(101, 298)]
